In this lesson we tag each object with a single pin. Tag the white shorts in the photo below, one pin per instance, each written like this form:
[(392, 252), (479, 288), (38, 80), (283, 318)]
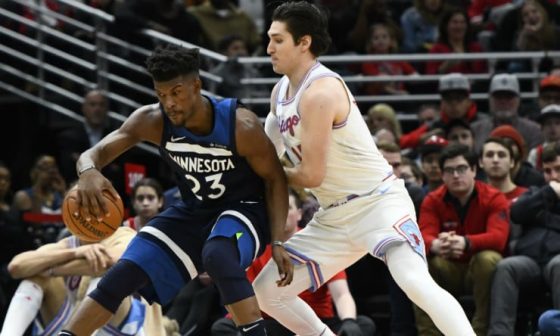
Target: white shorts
[(337, 237)]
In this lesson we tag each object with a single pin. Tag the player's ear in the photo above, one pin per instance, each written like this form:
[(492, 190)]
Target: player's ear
[(305, 42), (197, 84)]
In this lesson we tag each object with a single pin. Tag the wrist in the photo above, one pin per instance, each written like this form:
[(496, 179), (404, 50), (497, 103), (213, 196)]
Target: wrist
[(86, 168), (277, 243)]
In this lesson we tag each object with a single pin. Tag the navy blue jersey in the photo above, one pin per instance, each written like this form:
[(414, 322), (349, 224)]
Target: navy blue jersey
[(209, 170)]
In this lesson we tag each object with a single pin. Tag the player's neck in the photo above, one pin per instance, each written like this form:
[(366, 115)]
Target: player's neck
[(299, 74), (202, 120)]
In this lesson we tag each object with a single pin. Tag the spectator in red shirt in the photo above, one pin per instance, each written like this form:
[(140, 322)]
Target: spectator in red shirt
[(454, 37), (465, 226), (381, 41), (345, 321)]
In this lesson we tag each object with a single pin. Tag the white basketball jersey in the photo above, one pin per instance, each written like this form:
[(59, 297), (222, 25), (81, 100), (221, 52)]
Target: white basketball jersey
[(354, 164)]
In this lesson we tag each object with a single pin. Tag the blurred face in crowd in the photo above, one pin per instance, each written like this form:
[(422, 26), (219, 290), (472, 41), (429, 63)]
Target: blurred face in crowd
[(294, 216), (531, 15), (5, 182), (432, 5), (462, 136), (237, 48), (430, 167), (496, 160), (457, 27), (384, 135), (455, 104), (394, 159), (551, 129), (146, 202), (504, 105), (45, 171), (378, 121), (427, 114), (551, 170), (458, 176), (549, 96), (407, 174), (95, 108), (380, 39)]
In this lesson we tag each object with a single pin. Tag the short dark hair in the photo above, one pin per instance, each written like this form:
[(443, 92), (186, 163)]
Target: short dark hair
[(148, 182), (502, 141), (303, 18), (455, 150), (550, 152), (226, 42), (171, 61)]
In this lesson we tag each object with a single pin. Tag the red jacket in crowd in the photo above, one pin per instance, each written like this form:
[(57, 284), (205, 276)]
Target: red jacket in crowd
[(485, 223)]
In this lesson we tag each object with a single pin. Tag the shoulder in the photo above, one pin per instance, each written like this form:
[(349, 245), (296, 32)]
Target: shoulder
[(325, 91), (489, 194), (410, 14)]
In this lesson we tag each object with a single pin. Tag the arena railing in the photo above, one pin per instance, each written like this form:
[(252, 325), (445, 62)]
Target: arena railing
[(97, 70)]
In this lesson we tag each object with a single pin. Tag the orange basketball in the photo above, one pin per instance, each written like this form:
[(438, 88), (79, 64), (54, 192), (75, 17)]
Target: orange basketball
[(92, 231)]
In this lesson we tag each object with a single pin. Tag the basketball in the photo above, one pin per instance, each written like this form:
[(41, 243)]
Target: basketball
[(92, 231)]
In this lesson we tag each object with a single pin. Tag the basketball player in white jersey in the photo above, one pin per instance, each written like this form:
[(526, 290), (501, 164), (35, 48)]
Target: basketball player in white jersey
[(57, 276), (364, 207)]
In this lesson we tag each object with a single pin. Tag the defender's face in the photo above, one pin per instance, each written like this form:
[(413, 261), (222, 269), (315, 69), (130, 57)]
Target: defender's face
[(177, 98), (283, 52)]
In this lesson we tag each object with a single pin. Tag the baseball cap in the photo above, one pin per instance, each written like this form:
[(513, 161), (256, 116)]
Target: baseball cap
[(504, 82), (551, 81), (433, 144), (507, 131), (454, 82), (549, 111)]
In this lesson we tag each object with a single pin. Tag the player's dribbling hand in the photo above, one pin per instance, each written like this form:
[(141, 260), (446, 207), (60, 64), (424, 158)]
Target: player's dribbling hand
[(285, 266), (90, 187)]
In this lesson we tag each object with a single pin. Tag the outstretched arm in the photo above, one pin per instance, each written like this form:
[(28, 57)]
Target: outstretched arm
[(144, 124), (254, 145), (30, 263)]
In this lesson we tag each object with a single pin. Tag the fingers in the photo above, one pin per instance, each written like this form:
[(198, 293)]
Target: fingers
[(286, 271), (91, 203)]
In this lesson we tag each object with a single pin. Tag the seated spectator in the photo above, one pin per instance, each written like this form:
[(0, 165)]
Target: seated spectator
[(459, 131), (536, 33), (411, 173), (497, 162), (523, 174), (147, 201), (383, 116), (549, 92), (536, 259), (165, 16), (550, 124), (455, 104), (455, 37), (231, 72), (381, 42), (370, 13), (430, 152), (465, 225), (56, 278), (504, 109), (549, 323), (43, 197), (73, 141), (345, 322), (420, 25), (221, 18)]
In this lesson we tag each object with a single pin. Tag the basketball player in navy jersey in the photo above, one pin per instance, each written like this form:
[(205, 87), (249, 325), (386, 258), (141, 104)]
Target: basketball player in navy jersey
[(365, 208), (232, 186)]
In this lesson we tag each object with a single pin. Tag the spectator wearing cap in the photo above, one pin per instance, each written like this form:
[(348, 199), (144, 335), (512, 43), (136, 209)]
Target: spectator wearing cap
[(429, 161), (504, 106), (536, 259), (549, 119), (523, 174), (465, 226), (549, 91), (455, 103)]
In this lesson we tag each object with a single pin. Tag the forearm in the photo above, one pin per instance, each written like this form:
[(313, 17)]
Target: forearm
[(277, 206), (76, 267), (345, 306), (301, 176), (31, 263)]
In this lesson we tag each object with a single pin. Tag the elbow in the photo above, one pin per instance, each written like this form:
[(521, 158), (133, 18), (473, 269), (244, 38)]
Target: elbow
[(15, 270)]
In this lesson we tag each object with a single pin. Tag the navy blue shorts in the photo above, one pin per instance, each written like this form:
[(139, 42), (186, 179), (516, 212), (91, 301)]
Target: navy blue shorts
[(169, 247)]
